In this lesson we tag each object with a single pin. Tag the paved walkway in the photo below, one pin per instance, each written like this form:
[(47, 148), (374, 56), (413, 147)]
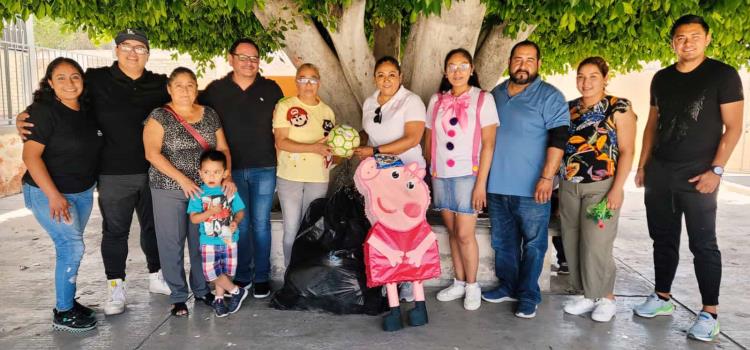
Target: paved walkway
[(27, 260)]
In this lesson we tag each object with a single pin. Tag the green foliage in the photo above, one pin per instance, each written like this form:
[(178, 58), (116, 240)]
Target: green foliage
[(626, 33), (56, 35)]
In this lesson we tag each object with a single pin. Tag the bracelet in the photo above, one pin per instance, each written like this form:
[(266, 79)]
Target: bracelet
[(546, 178)]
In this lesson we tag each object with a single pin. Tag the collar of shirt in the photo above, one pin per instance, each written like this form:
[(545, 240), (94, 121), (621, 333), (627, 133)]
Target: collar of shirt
[(118, 74), (599, 107), (529, 89), (227, 79)]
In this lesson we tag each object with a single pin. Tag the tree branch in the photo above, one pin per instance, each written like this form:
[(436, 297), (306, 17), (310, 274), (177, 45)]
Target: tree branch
[(353, 50), (303, 43), (387, 40), (431, 37)]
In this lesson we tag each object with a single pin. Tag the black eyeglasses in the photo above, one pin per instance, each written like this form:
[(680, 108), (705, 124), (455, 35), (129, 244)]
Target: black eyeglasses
[(378, 116)]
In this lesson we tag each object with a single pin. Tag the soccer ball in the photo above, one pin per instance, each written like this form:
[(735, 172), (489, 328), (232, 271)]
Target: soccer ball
[(343, 139)]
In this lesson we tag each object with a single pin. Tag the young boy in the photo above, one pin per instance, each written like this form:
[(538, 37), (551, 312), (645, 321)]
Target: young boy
[(218, 217)]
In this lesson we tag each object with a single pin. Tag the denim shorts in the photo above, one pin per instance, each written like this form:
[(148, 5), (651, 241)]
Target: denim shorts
[(454, 194)]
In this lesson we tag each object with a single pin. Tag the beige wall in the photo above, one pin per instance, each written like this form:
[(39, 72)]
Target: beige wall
[(11, 165)]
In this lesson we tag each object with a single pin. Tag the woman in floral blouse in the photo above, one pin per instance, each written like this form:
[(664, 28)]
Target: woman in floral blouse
[(596, 164)]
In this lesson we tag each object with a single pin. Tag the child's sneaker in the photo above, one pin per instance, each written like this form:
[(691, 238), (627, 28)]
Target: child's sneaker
[(220, 308), (455, 291), (705, 327), (72, 321), (654, 306), (236, 301)]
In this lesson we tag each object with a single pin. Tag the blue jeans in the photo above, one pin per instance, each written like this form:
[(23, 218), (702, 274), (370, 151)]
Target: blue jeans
[(519, 238), (68, 238), (255, 187)]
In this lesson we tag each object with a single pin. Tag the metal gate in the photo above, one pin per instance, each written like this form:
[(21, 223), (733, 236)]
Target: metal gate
[(22, 64)]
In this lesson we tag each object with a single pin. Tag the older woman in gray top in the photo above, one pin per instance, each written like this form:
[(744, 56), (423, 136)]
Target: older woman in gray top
[(174, 138)]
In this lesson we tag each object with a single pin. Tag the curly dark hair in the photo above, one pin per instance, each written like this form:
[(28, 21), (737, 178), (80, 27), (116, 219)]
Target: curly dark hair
[(45, 91)]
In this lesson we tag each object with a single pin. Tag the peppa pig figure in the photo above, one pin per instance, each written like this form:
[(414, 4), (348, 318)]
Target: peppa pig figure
[(400, 246)]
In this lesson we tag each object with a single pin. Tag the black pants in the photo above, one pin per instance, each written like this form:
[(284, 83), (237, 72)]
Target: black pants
[(119, 196), (668, 196)]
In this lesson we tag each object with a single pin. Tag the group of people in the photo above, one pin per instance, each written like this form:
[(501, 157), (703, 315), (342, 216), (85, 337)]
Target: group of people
[(217, 156)]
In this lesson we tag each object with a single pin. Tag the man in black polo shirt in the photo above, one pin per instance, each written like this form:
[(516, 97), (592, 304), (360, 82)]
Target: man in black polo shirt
[(694, 124), (245, 101), (121, 97)]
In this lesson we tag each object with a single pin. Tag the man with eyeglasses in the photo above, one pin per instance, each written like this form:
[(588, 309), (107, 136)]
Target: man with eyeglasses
[(121, 97), (245, 101), (534, 121)]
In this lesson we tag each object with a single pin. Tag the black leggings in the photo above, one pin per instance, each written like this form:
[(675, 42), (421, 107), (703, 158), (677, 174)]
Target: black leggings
[(668, 196)]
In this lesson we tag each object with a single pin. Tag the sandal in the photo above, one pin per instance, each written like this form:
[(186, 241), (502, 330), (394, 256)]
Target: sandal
[(179, 310)]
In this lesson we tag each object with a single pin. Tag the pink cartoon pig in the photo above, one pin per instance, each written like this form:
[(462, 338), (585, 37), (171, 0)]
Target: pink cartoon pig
[(400, 246)]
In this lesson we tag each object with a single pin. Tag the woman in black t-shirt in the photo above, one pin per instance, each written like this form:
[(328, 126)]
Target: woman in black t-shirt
[(61, 155)]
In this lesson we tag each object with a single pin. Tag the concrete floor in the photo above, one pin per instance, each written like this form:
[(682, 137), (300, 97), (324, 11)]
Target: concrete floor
[(26, 283)]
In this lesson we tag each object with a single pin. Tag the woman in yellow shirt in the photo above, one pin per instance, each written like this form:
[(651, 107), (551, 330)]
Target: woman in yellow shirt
[(300, 126)]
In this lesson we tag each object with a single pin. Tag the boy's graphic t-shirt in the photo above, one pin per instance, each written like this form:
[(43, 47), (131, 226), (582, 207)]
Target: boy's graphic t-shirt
[(216, 228)]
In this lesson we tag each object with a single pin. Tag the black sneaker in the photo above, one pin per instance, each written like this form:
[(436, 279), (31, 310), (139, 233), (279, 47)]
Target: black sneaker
[(84, 310), (72, 321), (246, 285), (563, 269), (236, 301), (261, 290), (207, 299), (220, 308)]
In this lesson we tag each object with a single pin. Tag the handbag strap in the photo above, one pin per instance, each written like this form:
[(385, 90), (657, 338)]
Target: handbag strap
[(197, 136)]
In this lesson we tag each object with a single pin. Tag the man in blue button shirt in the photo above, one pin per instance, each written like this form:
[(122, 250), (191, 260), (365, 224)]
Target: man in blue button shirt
[(533, 130)]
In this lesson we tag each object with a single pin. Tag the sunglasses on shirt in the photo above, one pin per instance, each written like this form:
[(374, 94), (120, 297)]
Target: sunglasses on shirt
[(378, 116)]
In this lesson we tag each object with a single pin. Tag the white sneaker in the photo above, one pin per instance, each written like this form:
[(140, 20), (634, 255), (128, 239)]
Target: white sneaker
[(579, 306), (604, 311), (455, 291), (157, 284), (406, 292), (115, 303), (473, 297)]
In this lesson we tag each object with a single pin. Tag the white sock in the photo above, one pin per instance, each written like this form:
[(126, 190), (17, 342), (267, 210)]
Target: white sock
[(236, 290), (460, 283), (475, 284)]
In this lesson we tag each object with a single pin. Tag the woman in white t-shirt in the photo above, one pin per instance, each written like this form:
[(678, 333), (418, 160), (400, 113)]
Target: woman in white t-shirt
[(393, 117), (459, 142)]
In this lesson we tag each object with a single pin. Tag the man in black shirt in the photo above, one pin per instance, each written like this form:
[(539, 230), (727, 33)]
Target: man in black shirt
[(245, 101), (694, 124), (121, 97)]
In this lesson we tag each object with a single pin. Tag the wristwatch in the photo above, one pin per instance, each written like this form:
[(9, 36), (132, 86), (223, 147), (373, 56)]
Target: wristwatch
[(717, 169), (375, 150)]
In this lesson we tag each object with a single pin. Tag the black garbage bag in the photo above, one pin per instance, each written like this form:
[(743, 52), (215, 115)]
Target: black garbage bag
[(327, 271)]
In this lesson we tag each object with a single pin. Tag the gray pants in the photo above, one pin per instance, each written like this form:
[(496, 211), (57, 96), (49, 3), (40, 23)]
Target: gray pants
[(588, 248), (295, 197), (173, 226)]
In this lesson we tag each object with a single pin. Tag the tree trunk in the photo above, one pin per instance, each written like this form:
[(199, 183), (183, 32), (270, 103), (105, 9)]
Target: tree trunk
[(305, 44), (491, 58), (387, 40), (431, 37), (353, 51)]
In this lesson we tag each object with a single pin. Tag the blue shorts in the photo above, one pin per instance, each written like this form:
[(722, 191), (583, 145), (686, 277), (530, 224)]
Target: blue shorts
[(454, 194)]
